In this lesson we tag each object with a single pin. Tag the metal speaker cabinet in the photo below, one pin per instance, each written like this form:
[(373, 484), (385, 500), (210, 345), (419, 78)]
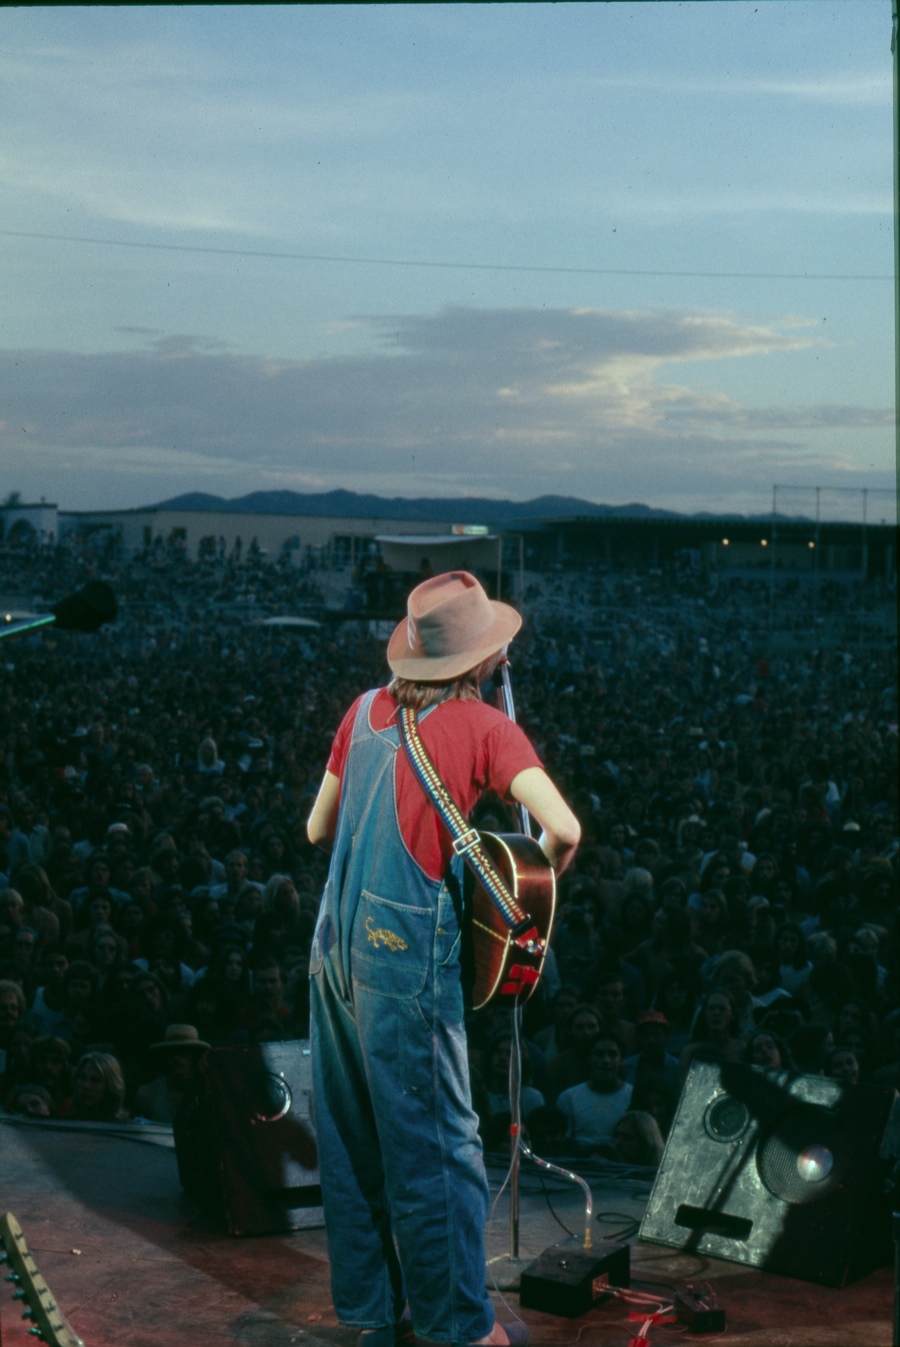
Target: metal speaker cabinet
[(244, 1141), (781, 1171)]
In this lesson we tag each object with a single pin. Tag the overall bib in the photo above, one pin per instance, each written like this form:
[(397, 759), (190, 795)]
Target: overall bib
[(400, 1156)]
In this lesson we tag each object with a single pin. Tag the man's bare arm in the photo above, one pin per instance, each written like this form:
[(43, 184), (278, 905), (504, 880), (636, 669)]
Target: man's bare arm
[(322, 822), (561, 829)]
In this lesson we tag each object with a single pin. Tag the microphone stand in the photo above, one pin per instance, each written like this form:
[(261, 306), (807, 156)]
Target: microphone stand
[(506, 699), (510, 1267)]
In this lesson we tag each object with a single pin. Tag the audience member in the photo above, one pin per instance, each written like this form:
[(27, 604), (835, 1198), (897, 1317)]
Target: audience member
[(594, 1107), (98, 1094), (715, 1036), (179, 1053), (651, 1058), (637, 1139)]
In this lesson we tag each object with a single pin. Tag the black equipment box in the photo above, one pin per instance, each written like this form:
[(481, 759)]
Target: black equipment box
[(568, 1280)]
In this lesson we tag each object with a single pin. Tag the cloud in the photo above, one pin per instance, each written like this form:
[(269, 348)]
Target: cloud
[(475, 401), (869, 87), (178, 132)]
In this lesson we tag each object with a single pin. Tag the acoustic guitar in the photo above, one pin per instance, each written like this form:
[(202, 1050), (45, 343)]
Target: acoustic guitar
[(501, 966)]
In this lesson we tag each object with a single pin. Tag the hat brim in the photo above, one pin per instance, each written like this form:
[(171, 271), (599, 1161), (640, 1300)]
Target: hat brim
[(186, 1043), (440, 668)]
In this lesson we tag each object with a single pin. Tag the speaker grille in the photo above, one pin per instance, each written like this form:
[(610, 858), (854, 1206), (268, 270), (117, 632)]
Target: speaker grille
[(805, 1156)]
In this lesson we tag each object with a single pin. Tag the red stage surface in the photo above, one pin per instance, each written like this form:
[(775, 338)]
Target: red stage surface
[(133, 1263)]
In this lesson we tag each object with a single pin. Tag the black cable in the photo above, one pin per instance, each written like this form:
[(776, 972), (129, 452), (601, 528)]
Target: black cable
[(631, 1225), (649, 1281)]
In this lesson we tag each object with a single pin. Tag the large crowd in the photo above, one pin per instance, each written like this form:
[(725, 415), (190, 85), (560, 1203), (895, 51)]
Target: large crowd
[(734, 897)]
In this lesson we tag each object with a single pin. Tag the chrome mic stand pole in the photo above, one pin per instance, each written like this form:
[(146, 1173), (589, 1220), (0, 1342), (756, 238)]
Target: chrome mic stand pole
[(513, 1263), (515, 1113), (506, 698), (510, 1268)]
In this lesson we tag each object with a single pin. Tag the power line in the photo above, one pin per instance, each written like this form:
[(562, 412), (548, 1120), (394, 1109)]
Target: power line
[(850, 490), (441, 266)]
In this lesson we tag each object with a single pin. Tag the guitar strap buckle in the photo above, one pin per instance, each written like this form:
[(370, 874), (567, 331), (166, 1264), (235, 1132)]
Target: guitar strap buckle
[(465, 842)]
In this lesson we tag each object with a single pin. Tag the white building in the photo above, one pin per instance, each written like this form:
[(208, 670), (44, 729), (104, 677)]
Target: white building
[(343, 539), (28, 523)]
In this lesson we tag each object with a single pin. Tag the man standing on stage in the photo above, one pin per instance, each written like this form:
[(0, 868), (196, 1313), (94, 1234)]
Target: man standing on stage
[(403, 1180)]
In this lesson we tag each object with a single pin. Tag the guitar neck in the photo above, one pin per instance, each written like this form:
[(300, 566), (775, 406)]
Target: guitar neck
[(31, 1291)]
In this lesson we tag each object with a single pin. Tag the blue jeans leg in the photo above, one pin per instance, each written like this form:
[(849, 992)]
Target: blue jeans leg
[(433, 1166), (366, 1281), (400, 1157)]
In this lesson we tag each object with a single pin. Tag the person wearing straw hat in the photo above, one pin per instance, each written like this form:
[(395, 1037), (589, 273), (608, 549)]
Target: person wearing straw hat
[(403, 1182), (179, 1053)]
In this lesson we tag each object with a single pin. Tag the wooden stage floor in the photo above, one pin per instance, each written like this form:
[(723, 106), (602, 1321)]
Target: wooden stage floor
[(133, 1263)]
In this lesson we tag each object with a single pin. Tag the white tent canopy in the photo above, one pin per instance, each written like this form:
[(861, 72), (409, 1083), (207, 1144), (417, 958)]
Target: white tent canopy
[(443, 552), (289, 622)]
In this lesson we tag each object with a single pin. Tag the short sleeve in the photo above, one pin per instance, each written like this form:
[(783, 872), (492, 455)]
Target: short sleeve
[(341, 745), (510, 752)]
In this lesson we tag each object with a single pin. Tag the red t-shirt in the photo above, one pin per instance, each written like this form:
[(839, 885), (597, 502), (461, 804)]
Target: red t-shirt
[(474, 748)]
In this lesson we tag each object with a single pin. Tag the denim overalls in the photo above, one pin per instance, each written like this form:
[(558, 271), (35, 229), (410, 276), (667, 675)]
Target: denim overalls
[(400, 1156)]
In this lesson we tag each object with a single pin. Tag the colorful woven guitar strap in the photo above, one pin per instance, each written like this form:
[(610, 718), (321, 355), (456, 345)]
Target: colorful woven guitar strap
[(466, 841)]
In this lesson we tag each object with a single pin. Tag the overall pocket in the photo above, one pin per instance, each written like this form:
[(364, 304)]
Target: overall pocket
[(391, 946), (448, 937), (321, 933)]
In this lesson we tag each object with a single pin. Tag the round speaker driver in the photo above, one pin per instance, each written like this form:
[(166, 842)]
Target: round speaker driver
[(272, 1098), (726, 1118)]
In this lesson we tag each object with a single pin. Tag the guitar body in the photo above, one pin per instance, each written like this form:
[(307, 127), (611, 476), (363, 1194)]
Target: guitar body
[(500, 967)]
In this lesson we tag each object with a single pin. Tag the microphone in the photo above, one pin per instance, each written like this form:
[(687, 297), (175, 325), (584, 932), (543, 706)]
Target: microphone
[(500, 676), (88, 609)]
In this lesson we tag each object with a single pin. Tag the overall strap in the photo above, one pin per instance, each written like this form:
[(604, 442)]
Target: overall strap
[(466, 841)]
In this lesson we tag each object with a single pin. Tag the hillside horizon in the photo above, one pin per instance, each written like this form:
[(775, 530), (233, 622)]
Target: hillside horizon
[(462, 509)]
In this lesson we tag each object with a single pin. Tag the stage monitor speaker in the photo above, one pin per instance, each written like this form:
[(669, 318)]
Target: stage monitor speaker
[(244, 1143), (780, 1171)]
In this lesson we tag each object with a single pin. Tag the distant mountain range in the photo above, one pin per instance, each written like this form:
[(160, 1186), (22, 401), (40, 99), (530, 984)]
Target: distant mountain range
[(461, 510)]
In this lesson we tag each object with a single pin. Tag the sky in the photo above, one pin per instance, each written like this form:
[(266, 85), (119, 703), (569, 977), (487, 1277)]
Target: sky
[(624, 252)]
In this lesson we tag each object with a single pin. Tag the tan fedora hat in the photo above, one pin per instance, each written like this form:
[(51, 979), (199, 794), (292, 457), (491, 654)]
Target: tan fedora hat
[(181, 1036), (451, 626)]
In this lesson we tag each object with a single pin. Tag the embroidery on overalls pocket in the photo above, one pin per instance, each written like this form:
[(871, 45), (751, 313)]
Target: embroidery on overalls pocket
[(379, 935)]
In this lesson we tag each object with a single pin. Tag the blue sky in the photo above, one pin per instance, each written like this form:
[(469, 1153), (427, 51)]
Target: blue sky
[(599, 250)]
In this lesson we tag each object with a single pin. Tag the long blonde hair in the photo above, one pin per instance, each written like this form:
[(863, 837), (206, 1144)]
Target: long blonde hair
[(112, 1108), (465, 688)]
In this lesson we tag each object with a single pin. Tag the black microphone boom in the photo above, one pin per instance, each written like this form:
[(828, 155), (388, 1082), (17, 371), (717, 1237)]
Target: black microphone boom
[(88, 609)]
